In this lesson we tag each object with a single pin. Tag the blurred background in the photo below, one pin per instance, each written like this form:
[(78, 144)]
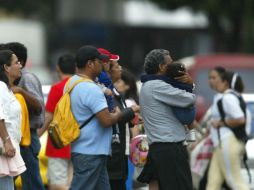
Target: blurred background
[(129, 28), (201, 33)]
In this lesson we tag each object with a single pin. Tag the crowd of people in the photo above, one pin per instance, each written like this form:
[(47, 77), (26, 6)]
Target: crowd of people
[(98, 159)]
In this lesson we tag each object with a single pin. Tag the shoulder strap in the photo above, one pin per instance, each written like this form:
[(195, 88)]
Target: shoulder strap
[(241, 101), (87, 121), (222, 115), (69, 89), (221, 110)]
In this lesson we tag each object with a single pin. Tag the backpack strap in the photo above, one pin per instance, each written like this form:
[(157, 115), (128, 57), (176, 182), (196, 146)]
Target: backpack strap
[(222, 115), (239, 131), (69, 89), (87, 121)]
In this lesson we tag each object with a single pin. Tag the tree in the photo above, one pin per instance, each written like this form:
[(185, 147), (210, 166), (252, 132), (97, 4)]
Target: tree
[(230, 22), (44, 10)]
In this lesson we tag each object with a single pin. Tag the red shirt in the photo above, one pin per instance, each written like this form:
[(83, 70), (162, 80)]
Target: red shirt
[(54, 96)]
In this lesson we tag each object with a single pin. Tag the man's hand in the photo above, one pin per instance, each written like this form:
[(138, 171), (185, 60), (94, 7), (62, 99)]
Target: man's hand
[(185, 78), (48, 119), (31, 101)]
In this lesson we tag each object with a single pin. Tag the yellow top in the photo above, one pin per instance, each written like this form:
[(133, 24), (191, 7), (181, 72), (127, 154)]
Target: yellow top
[(25, 127)]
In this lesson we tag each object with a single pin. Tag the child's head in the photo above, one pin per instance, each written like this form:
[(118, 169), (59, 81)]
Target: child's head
[(175, 69)]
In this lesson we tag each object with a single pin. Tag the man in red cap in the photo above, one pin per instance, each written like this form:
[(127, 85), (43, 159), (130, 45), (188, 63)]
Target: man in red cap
[(117, 163), (104, 77), (112, 57)]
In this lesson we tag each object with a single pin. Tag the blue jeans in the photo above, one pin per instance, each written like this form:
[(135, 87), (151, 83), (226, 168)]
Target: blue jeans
[(31, 178), (90, 172), (6, 183)]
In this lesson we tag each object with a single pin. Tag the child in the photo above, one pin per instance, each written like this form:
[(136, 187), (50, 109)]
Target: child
[(185, 115)]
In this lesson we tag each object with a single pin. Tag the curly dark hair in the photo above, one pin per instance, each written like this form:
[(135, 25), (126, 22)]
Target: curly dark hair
[(153, 59)]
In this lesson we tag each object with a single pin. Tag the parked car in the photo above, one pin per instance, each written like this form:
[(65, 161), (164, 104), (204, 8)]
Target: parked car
[(249, 99), (198, 66)]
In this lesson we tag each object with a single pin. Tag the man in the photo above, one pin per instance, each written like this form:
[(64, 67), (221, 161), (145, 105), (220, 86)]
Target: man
[(167, 161), (104, 77), (58, 159), (89, 152), (117, 164), (30, 88)]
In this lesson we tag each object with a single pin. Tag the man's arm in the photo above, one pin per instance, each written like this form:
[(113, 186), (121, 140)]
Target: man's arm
[(48, 119), (31, 101), (108, 119), (172, 96)]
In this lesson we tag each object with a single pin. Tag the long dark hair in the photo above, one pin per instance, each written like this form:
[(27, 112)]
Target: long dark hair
[(5, 59), (221, 71), (235, 81), (130, 80)]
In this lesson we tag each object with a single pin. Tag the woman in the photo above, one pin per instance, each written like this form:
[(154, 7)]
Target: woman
[(226, 159), (128, 88), (214, 78), (118, 162), (11, 162)]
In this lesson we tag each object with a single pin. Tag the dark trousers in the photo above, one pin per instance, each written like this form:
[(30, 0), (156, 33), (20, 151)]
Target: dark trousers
[(118, 184), (31, 178), (90, 172), (168, 164)]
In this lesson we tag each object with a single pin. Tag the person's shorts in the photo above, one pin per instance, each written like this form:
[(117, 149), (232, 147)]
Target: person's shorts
[(168, 164), (58, 170)]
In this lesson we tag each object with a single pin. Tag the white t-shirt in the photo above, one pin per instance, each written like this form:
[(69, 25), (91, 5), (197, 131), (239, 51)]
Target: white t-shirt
[(10, 112), (129, 103), (232, 109)]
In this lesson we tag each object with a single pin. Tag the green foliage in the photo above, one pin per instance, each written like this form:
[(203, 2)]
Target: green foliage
[(230, 21), (41, 9)]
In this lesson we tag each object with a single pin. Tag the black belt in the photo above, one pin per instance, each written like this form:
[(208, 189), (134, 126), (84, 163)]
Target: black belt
[(167, 143)]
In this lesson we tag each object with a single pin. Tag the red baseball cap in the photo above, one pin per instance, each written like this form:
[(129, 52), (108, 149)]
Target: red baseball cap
[(111, 56)]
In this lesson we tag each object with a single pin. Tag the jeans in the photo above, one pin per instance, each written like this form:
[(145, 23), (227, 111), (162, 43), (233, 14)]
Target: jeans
[(31, 178), (6, 183), (90, 172)]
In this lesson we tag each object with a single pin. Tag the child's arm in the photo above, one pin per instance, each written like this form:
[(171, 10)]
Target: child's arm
[(105, 90)]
